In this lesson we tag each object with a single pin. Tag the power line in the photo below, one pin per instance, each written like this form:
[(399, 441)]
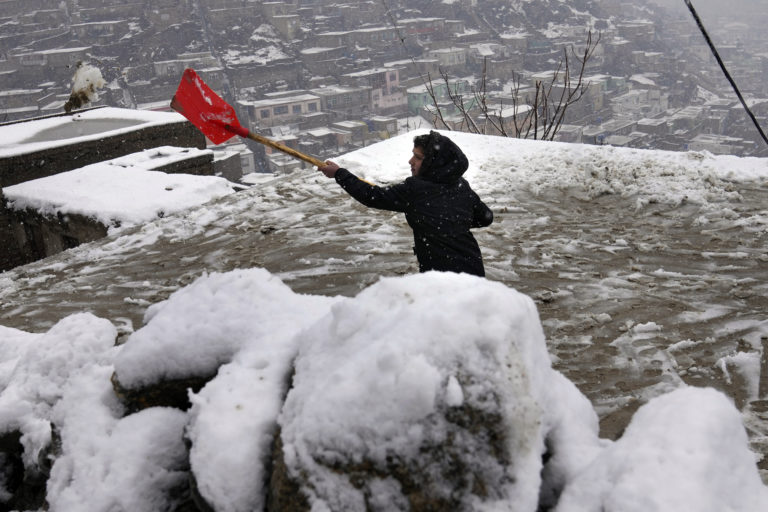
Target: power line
[(725, 71)]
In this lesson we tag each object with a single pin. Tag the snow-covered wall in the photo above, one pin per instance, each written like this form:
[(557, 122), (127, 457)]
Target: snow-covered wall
[(46, 146)]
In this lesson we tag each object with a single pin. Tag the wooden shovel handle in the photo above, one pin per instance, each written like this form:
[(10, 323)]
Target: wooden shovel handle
[(244, 132)]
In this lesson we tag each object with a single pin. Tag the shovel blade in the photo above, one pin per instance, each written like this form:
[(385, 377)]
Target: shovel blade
[(204, 108)]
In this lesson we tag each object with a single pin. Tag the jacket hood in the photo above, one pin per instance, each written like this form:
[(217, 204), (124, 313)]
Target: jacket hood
[(443, 161)]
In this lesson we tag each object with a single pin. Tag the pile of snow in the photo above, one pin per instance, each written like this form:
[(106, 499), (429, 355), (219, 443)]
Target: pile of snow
[(61, 378), (223, 314), (242, 323), (372, 376), (374, 363), (498, 164), (686, 450)]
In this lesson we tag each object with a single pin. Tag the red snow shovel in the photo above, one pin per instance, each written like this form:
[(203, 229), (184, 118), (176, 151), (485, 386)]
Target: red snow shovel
[(216, 118)]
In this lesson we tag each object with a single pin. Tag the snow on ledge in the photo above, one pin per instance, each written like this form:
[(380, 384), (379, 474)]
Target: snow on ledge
[(121, 192), (38, 134)]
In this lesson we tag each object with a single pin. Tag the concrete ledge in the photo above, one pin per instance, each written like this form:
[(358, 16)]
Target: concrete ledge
[(47, 162), (37, 160)]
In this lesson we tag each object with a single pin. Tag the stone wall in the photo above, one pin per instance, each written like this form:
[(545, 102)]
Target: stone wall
[(10, 252), (38, 236)]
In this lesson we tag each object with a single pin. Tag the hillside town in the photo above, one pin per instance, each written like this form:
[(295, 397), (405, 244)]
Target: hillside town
[(329, 76)]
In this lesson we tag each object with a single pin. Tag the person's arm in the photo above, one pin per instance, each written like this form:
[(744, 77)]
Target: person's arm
[(394, 198), (482, 216)]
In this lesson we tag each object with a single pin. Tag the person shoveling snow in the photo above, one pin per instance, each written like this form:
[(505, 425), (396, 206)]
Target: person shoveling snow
[(85, 82), (438, 203)]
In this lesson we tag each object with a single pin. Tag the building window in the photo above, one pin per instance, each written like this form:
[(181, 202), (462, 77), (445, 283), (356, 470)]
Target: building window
[(282, 109), (312, 107), (297, 109), (265, 113)]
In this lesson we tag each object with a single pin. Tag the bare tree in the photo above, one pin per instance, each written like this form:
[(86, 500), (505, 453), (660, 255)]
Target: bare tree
[(539, 117)]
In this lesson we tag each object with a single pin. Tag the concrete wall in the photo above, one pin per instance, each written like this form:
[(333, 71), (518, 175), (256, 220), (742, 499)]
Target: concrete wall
[(10, 252), (27, 236), (202, 165), (37, 236), (47, 162)]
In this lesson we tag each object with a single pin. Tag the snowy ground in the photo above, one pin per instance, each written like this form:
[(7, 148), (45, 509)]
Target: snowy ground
[(648, 268)]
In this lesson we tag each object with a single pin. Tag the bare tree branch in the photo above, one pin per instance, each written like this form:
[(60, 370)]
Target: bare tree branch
[(546, 112)]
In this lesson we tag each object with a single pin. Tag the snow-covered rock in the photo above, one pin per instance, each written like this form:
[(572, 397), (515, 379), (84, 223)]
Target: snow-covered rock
[(430, 392)]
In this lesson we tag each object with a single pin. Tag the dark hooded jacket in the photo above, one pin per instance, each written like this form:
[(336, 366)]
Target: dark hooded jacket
[(439, 205)]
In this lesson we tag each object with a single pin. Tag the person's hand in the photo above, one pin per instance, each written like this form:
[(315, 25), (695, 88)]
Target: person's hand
[(329, 169)]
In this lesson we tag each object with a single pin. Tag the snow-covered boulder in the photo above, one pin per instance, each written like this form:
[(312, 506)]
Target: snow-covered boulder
[(203, 326), (37, 375), (224, 345), (672, 439), (428, 392)]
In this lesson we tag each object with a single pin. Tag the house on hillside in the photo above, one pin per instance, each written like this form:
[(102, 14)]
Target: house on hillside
[(359, 13), (175, 67), (288, 25), (104, 10), (452, 60), (223, 15), (423, 29), (345, 102), (599, 134), (100, 32), (570, 133), (16, 7), (47, 18), (335, 39), (717, 144), (496, 60), (163, 13), (374, 36), (357, 130), (509, 121), (421, 96), (19, 98), (322, 61), (656, 127), (386, 94), (57, 60), (416, 71), (281, 109), (640, 31)]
